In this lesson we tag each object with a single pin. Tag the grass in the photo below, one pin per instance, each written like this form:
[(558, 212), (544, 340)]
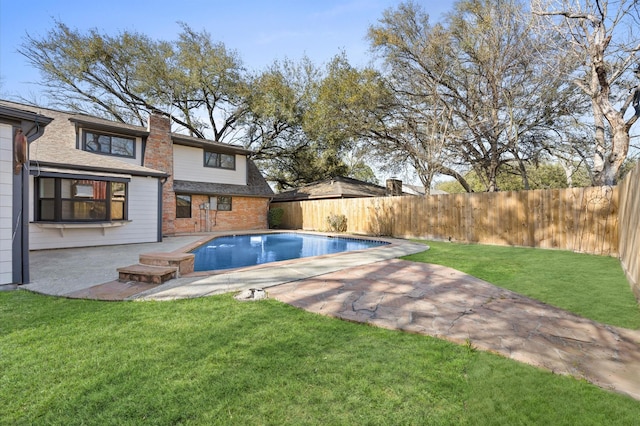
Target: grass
[(215, 361), (591, 286)]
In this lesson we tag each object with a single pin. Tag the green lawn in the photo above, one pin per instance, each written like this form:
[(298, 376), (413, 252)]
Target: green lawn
[(218, 361), (591, 286)]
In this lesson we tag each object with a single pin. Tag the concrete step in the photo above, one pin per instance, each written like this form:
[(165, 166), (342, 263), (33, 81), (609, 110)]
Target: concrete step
[(147, 273)]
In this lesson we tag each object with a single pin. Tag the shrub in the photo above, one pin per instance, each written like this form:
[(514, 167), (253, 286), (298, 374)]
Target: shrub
[(275, 217), (337, 222)]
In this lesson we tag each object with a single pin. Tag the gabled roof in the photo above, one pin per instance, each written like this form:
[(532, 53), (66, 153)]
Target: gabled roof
[(256, 186), (337, 187), (85, 119), (57, 147)]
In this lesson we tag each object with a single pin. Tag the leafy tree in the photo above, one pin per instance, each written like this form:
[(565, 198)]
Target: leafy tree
[(196, 82), (202, 86), (356, 109), (293, 137), (358, 169), (599, 36), (208, 78), (542, 176), (628, 166), (347, 115), (278, 102)]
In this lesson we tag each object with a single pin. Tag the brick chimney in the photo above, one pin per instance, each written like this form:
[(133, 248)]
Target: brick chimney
[(158, 155), (394, 187)]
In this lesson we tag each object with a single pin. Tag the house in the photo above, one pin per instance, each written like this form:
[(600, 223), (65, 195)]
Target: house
[(339, 187), (211, 186), (18, 128), (88, 184), (100, 182)]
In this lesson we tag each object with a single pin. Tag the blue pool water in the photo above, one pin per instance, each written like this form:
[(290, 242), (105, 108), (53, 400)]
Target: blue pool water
[(247, 250)]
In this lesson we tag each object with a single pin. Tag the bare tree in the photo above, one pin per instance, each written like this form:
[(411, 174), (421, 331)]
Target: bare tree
[(484, 65), (418, 135), (602, 37)]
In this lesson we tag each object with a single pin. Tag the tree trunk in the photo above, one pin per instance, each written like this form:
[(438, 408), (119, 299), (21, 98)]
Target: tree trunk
[(609, 159), (492, 177), (450, 172), (601, 144), (523, 172), (568, 172), (426, 179), (619, 146)]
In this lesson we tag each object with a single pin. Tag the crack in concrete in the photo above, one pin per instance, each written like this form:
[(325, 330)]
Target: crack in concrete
[(614, 333), (467, 311), (570, 338), (535, 331), (372, 312), (483, 305)]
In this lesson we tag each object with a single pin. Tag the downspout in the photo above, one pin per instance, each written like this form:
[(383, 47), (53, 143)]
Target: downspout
[(160, 214), (35, 135), (77, 129), (32, 134), (143, 150)]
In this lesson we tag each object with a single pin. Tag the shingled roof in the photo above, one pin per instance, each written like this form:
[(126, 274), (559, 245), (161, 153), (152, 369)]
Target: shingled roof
[(337, 187), (256, 186), (57, 146)]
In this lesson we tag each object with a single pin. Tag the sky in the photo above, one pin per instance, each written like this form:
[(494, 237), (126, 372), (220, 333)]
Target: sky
[(260, 31)]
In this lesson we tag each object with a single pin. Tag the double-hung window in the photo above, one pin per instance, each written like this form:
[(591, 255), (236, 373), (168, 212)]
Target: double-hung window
[(219, 161), (106, 144), (80, 200)]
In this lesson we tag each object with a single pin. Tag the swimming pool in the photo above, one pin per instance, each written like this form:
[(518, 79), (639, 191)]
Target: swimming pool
[(236, 251)]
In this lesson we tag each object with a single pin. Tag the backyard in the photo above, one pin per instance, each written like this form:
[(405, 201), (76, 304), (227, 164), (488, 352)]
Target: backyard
[(591, 286), (215, 360)]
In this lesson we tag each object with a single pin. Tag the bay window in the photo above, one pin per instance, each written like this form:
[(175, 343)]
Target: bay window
[(80, 200)]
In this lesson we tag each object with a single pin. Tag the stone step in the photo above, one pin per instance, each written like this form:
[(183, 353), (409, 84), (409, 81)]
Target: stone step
[(147, 273), (182, 261)]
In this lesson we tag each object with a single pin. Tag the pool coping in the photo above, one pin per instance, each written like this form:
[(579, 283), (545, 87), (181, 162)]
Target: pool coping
[(205, 283), (196, 244)]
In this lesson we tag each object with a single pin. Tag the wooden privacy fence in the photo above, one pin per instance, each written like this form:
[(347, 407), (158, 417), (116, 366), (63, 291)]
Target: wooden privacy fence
[(596, 220), (578, 219), (629, 218)]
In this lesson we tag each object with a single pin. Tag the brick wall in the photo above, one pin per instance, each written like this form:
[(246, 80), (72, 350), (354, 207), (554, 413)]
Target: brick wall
[(246, 213), (159, 155)]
